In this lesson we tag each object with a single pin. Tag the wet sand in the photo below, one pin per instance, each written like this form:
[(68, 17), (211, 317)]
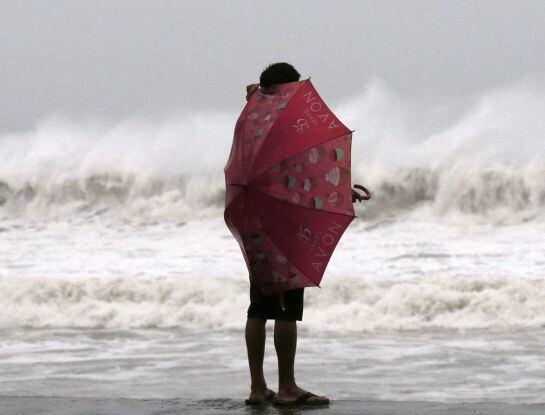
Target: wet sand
[(22, 405)]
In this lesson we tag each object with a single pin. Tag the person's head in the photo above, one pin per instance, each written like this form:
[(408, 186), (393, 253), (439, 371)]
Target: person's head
[(278, 73)]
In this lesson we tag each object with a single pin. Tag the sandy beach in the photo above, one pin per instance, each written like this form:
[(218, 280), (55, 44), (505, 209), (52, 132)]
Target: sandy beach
[(29, 405)]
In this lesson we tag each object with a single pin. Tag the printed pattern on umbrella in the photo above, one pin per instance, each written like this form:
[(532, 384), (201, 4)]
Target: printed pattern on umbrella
[(318, 178), (262, 111), (288, 196), (268, 267)]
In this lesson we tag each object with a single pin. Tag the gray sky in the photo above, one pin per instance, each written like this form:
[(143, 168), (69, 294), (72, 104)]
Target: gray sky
[(115, 59)]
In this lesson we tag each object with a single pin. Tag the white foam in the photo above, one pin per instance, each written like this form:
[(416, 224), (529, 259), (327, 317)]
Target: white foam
[(488, 162), (348, 305)]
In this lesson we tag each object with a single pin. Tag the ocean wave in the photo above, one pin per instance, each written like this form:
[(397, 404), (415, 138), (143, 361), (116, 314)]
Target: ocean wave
[(495, 191), (487, 160), (492, 191), (347, 305)]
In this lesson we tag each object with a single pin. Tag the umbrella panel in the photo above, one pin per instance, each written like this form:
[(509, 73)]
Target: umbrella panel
[(290, 219)]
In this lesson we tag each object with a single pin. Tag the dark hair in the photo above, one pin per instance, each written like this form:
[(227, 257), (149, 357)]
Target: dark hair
[(278, 73)]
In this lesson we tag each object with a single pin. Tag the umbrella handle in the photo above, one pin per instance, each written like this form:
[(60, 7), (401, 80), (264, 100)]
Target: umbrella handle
[(367, 195)]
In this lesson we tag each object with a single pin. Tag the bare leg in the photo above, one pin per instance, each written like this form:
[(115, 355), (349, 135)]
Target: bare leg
[(255, 345), (285, 342)]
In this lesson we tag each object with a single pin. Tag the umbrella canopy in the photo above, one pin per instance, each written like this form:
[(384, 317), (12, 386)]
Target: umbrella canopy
[(288, 187)]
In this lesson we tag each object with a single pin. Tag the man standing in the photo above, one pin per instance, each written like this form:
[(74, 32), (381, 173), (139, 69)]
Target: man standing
[(263, 307), (286, 309)]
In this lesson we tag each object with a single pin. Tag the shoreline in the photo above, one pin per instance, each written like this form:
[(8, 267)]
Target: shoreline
[(43, 405)]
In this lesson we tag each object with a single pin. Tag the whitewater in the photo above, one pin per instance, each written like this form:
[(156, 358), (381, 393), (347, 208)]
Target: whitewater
[(118, 276)]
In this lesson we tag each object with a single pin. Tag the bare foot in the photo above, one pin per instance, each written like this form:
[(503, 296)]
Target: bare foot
[(291, 395)]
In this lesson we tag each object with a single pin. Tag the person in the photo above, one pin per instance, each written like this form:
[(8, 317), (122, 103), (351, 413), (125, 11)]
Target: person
[(268, 307)]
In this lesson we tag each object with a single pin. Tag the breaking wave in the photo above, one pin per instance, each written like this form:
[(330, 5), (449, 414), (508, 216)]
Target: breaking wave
[(486, 160), (348, 305), (495, 191)]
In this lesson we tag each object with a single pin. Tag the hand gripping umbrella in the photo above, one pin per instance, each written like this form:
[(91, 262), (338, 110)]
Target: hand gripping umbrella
[(288, 195)]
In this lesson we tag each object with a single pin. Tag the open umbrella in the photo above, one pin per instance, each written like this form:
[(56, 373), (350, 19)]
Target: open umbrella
[(288, 187)]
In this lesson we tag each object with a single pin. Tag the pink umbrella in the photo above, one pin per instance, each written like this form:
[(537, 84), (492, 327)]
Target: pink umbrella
[(288, 198)]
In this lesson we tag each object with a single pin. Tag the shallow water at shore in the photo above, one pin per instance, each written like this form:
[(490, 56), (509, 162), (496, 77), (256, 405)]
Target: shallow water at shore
[(446, 366), (90, 406), (409, 311)]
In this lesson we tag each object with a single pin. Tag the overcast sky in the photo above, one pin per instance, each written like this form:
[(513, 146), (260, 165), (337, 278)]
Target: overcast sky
[(117, 59)]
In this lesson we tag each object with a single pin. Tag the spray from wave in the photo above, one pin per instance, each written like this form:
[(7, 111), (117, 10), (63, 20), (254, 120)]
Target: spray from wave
[(487, 162)]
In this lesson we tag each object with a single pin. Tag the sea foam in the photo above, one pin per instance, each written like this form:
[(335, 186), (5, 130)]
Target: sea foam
[(487, 159), (351, 304)]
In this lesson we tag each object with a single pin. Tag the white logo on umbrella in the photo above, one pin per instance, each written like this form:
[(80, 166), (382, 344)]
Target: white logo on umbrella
[(334, 176)]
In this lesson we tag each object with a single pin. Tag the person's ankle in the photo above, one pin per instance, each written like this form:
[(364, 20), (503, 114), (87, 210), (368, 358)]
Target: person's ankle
[(258, 387), (288, 388)]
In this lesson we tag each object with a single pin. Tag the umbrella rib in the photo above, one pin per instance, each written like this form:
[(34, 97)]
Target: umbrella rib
[(252, 162), (299, 152), (286, 254), (300, 206)]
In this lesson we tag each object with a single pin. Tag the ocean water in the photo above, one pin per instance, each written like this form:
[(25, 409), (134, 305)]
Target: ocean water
[(118, 276)]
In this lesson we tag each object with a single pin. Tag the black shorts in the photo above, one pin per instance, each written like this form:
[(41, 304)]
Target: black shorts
[(267, 307)]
